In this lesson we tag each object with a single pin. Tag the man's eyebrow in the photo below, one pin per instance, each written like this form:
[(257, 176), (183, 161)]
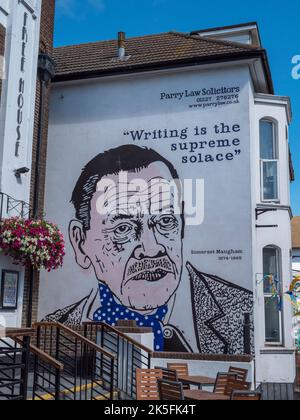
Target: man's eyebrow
[(122, 217)]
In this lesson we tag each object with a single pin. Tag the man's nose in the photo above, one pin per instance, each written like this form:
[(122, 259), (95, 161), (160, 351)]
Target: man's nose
[(149, 247)]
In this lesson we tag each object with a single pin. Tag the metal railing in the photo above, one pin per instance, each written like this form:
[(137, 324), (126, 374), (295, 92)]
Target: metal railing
[(87, 372), (45, 375), (130, 355), (14, 366), (10, 207)]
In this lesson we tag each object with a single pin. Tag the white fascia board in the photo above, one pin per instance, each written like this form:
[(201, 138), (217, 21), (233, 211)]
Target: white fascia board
[(285, 101)]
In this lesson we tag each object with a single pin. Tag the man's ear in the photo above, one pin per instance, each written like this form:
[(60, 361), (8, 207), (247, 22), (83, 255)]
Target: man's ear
[(77, 239)]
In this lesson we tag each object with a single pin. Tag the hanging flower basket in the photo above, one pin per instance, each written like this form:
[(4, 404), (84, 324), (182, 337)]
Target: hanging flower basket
[(35, 243)]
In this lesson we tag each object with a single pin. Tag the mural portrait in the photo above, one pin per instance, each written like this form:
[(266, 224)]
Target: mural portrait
[(133, 240)]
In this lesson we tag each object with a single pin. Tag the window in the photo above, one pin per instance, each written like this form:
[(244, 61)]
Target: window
[(272, 295), (269, 160)]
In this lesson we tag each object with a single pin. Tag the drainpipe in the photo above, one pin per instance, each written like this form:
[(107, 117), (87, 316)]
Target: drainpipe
[(46, 72)]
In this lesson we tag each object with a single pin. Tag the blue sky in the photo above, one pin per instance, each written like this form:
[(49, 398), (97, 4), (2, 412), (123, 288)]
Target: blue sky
[(79, 21)]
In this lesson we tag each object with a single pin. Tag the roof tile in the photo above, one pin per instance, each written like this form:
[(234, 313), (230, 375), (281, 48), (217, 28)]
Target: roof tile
[(152, 49)]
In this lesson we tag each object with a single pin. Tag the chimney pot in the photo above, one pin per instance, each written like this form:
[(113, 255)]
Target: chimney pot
[(121, 45)]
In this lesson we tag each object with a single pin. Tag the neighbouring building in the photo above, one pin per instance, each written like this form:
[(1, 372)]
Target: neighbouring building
[(199, 107), (296, 245), (296, 274), (26, 40)]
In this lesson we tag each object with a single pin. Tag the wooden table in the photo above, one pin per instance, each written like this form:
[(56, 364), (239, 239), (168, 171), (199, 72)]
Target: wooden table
[(196, 395), (198, 381)]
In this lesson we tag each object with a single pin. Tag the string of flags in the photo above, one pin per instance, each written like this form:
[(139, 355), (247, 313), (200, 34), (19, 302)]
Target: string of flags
[(294, 294), (272, 285)]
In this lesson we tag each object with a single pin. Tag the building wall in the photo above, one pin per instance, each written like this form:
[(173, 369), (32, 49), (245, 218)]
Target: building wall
[(18, 94), (22, 23), (29, 29), (45, 47), (277, 363), (92, 117)]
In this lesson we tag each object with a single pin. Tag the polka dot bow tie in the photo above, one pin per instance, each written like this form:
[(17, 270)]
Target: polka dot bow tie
[(111, 312)]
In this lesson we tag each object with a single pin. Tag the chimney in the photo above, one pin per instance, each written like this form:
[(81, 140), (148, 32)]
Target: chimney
[(121, 45)]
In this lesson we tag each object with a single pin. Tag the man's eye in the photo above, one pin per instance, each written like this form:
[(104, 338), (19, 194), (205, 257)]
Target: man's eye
[(167, 223), (123, 230)]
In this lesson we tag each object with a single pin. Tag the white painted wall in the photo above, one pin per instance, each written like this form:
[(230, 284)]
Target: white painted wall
[(91, 117), (13, 20), (87, 118), (10, 93), (273, 364)]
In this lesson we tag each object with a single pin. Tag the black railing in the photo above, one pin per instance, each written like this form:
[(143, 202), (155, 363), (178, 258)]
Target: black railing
[(14, 368), (10, 207), (87, 372), (130, 355)]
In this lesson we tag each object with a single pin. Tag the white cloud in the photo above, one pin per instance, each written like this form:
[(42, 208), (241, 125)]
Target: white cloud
[(79, 9)]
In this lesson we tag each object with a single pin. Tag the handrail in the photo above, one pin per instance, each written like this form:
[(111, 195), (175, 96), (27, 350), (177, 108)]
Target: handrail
[(42, 355), (76, 335), (15, 332), (126, 337), (22, 208)]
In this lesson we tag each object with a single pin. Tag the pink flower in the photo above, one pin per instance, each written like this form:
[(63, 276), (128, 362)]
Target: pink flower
[(25, 241)]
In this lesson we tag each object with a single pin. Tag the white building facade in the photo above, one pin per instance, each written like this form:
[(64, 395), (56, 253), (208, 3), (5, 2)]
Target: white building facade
[(20, 32), (212, 118)]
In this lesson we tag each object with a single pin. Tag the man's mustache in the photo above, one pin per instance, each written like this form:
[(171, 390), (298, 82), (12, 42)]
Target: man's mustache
[(150, 265)]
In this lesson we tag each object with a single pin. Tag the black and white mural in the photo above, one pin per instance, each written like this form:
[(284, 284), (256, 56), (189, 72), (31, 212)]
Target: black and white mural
[(154, 194)]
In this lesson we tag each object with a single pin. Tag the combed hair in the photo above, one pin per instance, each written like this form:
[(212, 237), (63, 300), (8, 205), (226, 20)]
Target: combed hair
[(129, 158)]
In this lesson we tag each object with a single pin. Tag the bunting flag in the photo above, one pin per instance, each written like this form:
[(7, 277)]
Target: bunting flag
[(294, 293), (273, 284)]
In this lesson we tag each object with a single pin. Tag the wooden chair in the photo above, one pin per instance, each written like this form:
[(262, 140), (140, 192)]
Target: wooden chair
[(237, 385), (170, 391), (182, 369), (146, 384), (224, 383), (246, 396), (242, 374), (169, 375)]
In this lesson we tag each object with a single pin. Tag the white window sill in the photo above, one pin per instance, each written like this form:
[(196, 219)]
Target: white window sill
[(277, 350)]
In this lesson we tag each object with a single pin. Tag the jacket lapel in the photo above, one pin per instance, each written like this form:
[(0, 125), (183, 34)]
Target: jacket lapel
[(207, 311)]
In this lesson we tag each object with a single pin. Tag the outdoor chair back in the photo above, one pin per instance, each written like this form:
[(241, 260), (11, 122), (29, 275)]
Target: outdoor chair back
[(242, 374), (237, 385), (182, 369), (146, 384), (224, 383), (170, 391), (169, 375), (246, 396)]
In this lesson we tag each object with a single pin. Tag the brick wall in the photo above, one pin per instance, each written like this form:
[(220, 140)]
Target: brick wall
[(46, 46), (2, 49)]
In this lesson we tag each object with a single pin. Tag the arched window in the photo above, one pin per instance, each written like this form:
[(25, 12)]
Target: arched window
[(269, 160), (272, 294)]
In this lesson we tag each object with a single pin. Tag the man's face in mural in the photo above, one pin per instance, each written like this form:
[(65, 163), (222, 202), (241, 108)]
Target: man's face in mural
[(138, 253)]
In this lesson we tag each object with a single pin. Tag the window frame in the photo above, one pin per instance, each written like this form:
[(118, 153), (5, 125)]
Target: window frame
[(270, 295), (276, 160)]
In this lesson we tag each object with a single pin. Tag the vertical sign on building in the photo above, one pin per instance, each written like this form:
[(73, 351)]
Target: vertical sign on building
[(22, 83)]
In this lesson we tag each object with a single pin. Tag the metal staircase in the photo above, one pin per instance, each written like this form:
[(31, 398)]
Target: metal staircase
[(54, 362)]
